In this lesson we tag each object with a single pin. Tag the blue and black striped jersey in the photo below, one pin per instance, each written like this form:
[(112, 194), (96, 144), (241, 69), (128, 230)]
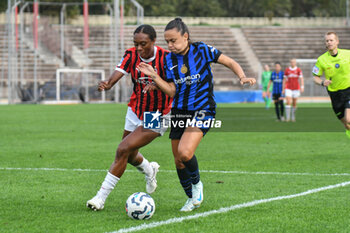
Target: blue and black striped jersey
[(192, 76), (277, 79)]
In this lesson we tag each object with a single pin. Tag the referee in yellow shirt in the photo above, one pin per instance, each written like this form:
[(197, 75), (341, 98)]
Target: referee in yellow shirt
[(335, 65)]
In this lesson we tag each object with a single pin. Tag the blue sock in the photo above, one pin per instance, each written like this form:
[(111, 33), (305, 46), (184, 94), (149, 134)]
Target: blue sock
[(192, 166), (185, 181)]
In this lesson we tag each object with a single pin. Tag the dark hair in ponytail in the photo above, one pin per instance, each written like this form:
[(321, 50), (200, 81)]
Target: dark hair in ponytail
[(147, 29), (179, 25)]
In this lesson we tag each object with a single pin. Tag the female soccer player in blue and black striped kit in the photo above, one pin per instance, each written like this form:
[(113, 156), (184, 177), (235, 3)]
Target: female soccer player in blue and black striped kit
[(190, 82), (277, 95)]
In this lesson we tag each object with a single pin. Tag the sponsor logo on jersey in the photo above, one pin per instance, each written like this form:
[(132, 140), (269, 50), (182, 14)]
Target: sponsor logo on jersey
[(189, 79), (337, 65), (145, 80), (173, 67), (292, 75)]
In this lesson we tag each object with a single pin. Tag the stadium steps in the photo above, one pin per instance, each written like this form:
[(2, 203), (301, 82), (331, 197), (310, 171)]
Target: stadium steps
[(46, 64), (273, 44), (220, 37)]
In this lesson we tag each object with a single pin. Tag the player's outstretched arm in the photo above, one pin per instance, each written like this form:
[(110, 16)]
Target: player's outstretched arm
[(167, 88), (319, 81), (236, 68), (113, 79)]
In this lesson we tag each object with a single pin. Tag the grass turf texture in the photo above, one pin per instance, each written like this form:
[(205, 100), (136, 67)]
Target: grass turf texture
[(86, 136)]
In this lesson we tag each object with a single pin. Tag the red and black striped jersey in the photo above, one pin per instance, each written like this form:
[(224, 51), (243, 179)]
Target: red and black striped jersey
[(150, 101)]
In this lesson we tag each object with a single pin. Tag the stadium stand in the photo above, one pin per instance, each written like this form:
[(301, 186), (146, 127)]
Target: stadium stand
[(220, 37), (273, 44), (46, 63), (269, 44)]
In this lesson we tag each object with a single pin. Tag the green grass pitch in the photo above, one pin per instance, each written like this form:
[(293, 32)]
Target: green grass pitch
[(86, 136)]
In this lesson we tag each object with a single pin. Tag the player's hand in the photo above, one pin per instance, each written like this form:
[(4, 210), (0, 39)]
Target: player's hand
[(301, 89), (150, 87), (327, 82), (281, 98), (268, 93), (147, 69), (104, 86), (283, 91), (250, 81)]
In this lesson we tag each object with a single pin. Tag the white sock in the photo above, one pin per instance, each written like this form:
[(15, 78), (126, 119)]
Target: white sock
[(107, 186), (145, 168), (293, 113), (288, 112)]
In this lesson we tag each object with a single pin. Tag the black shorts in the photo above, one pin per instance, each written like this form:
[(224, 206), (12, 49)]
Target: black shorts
[(276, 96), (340, 101), (184, 116)]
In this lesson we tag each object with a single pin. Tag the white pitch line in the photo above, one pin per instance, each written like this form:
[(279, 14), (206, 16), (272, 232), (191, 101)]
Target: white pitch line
[(52, 169), (227, 209), (171, 171), (276, 173)]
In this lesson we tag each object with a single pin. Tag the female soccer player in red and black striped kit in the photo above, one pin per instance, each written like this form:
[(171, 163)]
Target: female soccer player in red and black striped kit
[(135, 136)]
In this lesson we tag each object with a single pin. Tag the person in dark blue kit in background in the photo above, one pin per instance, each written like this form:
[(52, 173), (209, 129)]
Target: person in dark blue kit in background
[(190, 82), (277, 80)]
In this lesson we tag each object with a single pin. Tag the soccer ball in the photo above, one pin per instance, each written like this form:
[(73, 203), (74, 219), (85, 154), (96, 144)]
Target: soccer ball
[(140, 205)]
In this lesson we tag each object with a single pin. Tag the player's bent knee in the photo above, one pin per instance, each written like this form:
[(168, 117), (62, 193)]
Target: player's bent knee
[(123, 151), (185, 154), (179, 164)]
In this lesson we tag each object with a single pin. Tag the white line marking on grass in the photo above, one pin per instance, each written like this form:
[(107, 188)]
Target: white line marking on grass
[(52, 169), (227, 209), (171, 171), (277, 173)]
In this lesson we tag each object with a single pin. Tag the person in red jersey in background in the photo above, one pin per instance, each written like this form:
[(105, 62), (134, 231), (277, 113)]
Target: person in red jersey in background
[(293, 85), (135, 135)]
